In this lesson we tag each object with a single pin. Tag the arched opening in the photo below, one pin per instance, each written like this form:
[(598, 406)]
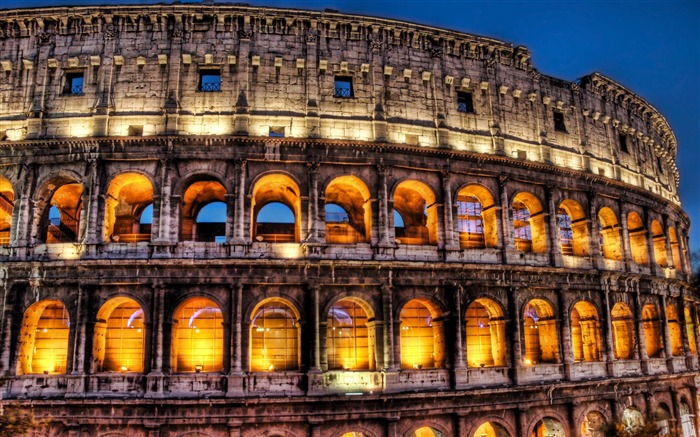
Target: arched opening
[(486, 334), (638, 238), (674, 330), (652, 331), (662, 417), (274, 337), (276, 208), (609, 227), (573, 229), (7, 206), (548, 427), (476, 218), (353, 434), (118, 344), (690, 330), (540, 332), (632, 420), (422, 336), (43, 344), (62, 215), (675, 249), (129, 194), (593, 425), (687, 420), (348, 211), (204, 212), (427, 431), (490, 429), (623, 331), (529, 227), (657, 235), (585, 332), (198, 336), (349, 345), (415, 202)]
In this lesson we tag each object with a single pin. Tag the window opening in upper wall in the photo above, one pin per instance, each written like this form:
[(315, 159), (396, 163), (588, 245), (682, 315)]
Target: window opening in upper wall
[(559, 124), (465, 102), (343, 87), (74, 83), (276, 132), (623, 143), (659, 163), (210, 80)]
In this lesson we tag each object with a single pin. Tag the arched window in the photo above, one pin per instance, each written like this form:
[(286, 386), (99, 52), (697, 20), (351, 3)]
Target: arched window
[(657, 234), (638, 238), (690, 330), (63, 213), (585, 332), (674, 330), (687, 420), (426, 431), (7, 206), (623, 331), (609, 227), (43, 346), (573, 229), (422, 336), (274, 337), (348, 211), (415, 202), (675, 250), (275, 223), (652, 331), (486, 334), (476, 218), (490, 429), (549, 427), (348, 344), (118, 343), (529, 227), (204, 211), (540, 332), (198, 336), (128, 196), (276, 208)]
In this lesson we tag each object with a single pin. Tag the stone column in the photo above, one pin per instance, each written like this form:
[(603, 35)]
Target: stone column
[(389, 339), (458, 359), (653, 267), (313, 120), (316, 351), (158, 308), (520, 421), (667, 243), (554, 237), (236, 297), (451, 242), (6, 337), (641, 350), (164, 218), (668, 350), (626, 250), (171, 102), (384, 223), (594, 231), (24, 225), (93, 223), (239, 205), (685, 341), (609, 342), (241, 118), (685, 269), (315, 227), (391, 425), (505, 234), (566, 342), (78, 362), (516, 335)]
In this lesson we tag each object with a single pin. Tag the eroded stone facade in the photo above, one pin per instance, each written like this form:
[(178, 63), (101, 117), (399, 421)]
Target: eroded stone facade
[(225, 220)]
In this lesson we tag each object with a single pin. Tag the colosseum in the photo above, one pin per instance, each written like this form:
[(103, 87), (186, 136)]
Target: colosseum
[(224, 220)]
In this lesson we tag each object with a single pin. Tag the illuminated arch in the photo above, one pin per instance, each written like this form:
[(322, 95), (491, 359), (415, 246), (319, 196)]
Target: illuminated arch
[(659, 238), (416, 204), (129, 194), (593, 424), (476, 218), (43, 344), (585, 332), (549, 427), (675, 249), (7, 206), (118, 344), (690, 330), (198, 336), (529, 224), (674, 330), (610, 241), (276, 188), (486, 334), (199, 196), (573, 228), (491, 429), (623, 331), (350, 194), (274, 336), (60, 218), (349, 345), (426, 431), (540, 332), (652, 330), (638, 238), (422, 335)]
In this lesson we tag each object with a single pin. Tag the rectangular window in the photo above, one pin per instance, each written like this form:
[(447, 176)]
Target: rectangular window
[(623, 143), (559, 124), (276, 132), (210, 80), (74, 83), (659, 163), (465, 102), (343, 87)]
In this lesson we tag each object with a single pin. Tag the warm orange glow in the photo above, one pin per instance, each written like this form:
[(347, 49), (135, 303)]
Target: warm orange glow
[(674, 330), (490, 429), (424, 432), (66, 201), (43, 346), (652, 331), (198, 336), (485, 328), (7, 205), (610, 243), (548, 427), (119, 336), (659, 239), (198, 195), (415, 202), (623, 331), (675, 249), (592, 424), (128, 195), (539, 329), (352, 195), (422, 338), (585, 332), (638, 238), (690, 330), (573, 229), (274, 337), (348, 343), (529, 227), (276, 188), (476, 217)]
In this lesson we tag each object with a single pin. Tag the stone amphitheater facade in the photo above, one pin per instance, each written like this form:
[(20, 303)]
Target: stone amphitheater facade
[(223, 220)]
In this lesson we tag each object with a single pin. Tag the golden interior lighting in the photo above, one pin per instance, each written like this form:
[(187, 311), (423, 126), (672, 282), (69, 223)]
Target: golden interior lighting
[(659, 240), (623, 331), (62, 216), (353, 434), (674, 330), (690, 330), (638, 238), (197, 196), (573, 229), (540, 332), (274, 337), (348, 211), (609, 229), (348, 345), (529, 227), (652, 331), (485, 328), (118, 343), (592, 424), (549, 427), (422, 337), (416, 204), (476, 218), (490, 429), (198, 336), (127, 197), (7, 205), (44, 344), (282, 190), (425, 432), (585, 332), (675, 249)]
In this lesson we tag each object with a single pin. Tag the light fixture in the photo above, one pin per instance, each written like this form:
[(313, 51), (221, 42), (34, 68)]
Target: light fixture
[(198, 368), (123, 369)]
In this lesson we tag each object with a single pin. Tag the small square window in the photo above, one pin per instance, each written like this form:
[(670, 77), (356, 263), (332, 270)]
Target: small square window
[(74, 83), (343, 87), (209, 80), (623, 143), (465, 102), (276, 132), (136, 131), (411, 139), (559, 124)]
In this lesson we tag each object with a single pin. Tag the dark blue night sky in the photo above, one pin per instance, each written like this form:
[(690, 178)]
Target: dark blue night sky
[(650, 47)]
